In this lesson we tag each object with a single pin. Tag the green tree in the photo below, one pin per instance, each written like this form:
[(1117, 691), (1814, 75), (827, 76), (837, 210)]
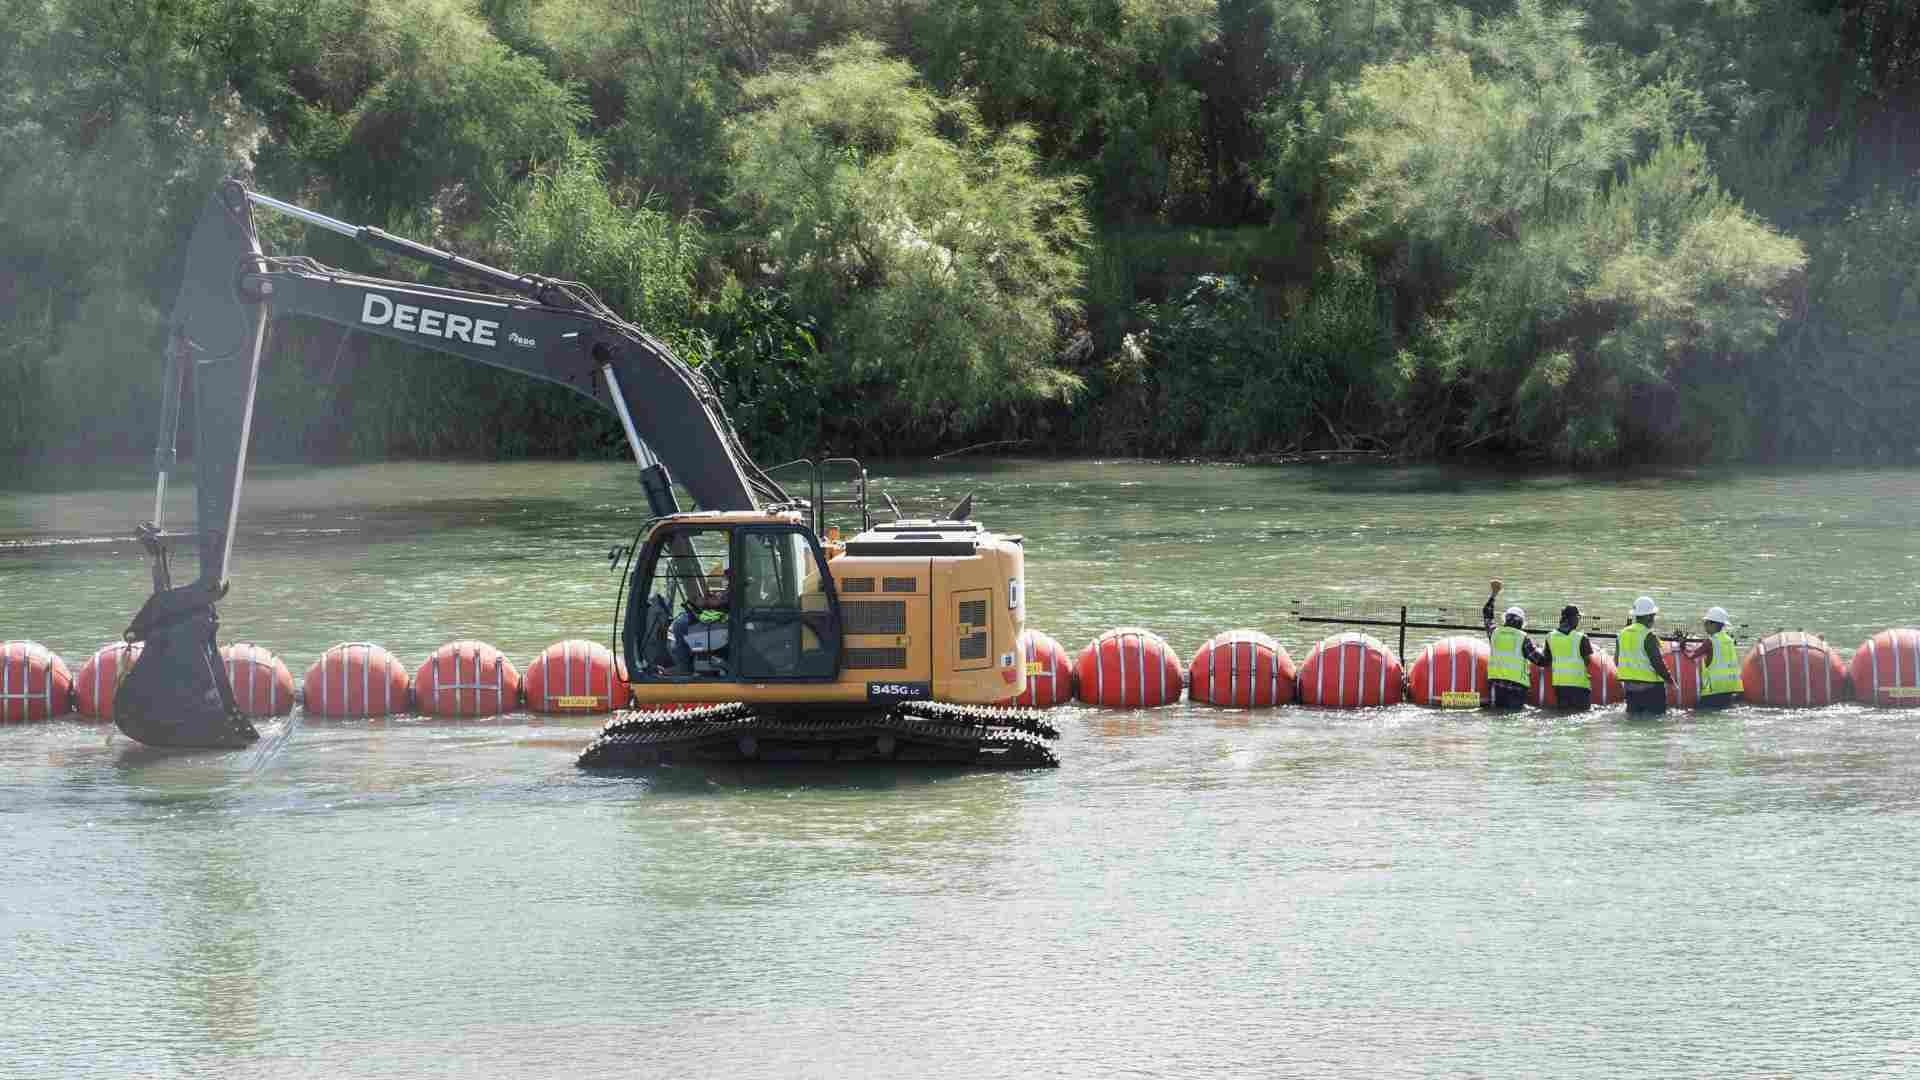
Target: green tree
[(451, 118), (1503, 125), (940, 262), (113, 128), (1600, 303)]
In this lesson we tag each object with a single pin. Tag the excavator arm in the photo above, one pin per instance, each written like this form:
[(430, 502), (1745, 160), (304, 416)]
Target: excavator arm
[(177, 693)]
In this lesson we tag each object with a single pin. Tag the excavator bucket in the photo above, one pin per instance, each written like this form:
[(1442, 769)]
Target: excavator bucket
[(177, 693)]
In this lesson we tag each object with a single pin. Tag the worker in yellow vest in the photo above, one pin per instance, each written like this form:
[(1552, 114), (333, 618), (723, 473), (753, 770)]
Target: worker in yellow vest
[(1510, 650), (1721, 683), (1567, 653), (1643, 670)]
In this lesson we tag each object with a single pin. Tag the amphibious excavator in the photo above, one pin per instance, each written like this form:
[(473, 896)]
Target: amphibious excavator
[(771, 638)]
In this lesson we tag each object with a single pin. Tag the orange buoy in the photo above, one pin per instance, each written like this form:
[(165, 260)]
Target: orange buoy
[(262, 685), (34, 683), (575, 676), (1792, 670), (1689, 675), (1241, 669), (1350, 671), (1603, 676), (1451, 673), (99, 678), (1129, 668), (1886, 669), (1049, 672), (467, 678), (356, 679)]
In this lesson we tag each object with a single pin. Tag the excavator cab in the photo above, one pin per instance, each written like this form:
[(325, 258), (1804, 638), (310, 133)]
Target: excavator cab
[(733, 597)]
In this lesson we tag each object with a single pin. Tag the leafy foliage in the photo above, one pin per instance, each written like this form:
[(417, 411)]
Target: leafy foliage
[(1213, 373), (1594, 231), (938, 259)]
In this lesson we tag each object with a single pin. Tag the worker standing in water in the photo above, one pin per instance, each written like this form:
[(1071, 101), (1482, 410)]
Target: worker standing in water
[(1510, 650), (1722, 680), (1567, 654), (1643, 670)]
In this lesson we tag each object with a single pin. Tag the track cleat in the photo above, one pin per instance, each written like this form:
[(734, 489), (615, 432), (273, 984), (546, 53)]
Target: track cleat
[(915, 733)]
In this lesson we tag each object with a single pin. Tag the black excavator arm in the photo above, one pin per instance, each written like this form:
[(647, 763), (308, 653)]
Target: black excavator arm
[(177, 693)]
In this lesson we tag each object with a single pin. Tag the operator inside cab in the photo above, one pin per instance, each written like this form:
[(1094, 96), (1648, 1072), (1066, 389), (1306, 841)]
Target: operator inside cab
[(699, 633)]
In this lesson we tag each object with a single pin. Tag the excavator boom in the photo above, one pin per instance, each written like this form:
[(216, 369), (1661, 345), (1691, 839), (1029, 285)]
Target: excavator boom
[(177, 693)]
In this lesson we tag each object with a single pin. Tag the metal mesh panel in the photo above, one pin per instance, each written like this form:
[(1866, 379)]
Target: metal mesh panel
[(875, 616), (856, 584), (974, 646), (877, 658), (899, 584), (973, 613)]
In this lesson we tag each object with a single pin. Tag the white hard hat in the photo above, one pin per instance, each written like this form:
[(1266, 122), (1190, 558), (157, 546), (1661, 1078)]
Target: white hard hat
[(1517, 612), (1719, 615), (1645, 606)]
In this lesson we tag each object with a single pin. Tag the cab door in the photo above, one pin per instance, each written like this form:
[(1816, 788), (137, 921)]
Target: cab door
[(678, 568), (786, 615)]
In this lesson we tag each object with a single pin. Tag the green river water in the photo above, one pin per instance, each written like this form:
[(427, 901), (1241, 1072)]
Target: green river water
[(1397, 892)]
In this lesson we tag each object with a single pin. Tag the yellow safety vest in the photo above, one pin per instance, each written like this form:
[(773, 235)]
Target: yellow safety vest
[(1633, 662), (1507, 663), (1569, 667), (1723, 668)]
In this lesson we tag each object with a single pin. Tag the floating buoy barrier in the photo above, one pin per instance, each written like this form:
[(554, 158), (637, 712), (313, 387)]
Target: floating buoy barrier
[(1886, 669), (1451, 674), (99, 678), (355, 679), (1602, 675), (1124, 668), (466, 678), (1241, 669), (574, 676), (34, 683), (1792, 670), (1049, 672), (1129, 668), (1689, 674), (262, 685), (1350, 671)]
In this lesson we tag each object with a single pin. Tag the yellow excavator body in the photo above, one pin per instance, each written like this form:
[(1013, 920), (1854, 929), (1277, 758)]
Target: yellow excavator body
[(915, 610)]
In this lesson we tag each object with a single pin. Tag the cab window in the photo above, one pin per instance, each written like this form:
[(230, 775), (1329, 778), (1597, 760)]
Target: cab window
[(687, 612), (786, 623)]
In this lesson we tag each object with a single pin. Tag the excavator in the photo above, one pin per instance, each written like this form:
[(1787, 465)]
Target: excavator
[(750, 630)]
